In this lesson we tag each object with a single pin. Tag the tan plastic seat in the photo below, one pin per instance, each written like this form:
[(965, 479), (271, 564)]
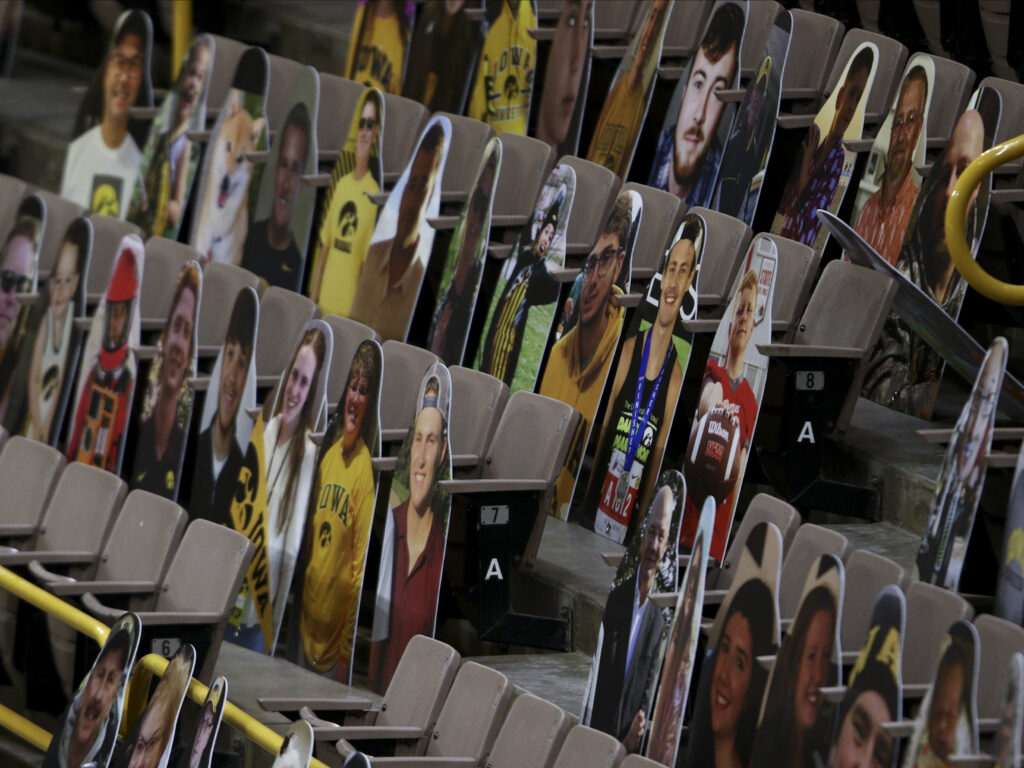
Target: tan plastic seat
[(930, 611), (724, 250), (930, 17), (616, 20), (469, 137), (348, 335), (60, 212), (810, 543), (998, 640), (596, 189), (762, 508), (195, 599), (950, 92), (12, 189), (760, 17), (338, 99), (685, 23), (586, 748), (226, 55), (866, 574), (404, 119), (1011, 119), (813, 45), (481, 400), (403, 366), (3, 438), (892, 58), (221, 284), (638, 761), (107, 233), (164, 261), (799, 264), (28, 472), (525, 164), (283, 315), (662, 214), (531, 735), (279, 90)]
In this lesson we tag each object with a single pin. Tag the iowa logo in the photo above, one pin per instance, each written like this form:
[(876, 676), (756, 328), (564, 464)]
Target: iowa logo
[(106, 195), (511, 88), (348, 220)]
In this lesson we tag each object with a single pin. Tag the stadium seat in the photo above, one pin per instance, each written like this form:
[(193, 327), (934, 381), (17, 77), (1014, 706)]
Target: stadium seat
[(3, 438), (813, 45), (164, 261), (998, 640), (662, 214), (996, 26), (11, 191), (798, 263), (682, 30), (1011, 119), (811, 542), (950, 92), (531, 735), (585, 748), (338, 99), (403, 369), (107, 233), (348, 335), (196, 598), (28, 472), (866, 574), (221, 284), (226, 55), (525, 163), (279, 90), (930, 611), (760, 17), (283, 315), (480, 401), (762, 508), (929, 16), (469, 137), (638, 761), (615, 21), (59, 214), (892, 58), (404, 119), (596, 188)]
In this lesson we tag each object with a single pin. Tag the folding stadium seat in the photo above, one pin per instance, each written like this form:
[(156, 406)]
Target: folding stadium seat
[(348, 335), (725, 247), (892, 58), (998, 640), (760, 16), (638, 761), (531, 735), (283, 315), (813, 45), (3, 438), (585, 748), (410, 707), (663, 213), (950, 93), (866, 574), (525, 163), (164, 261), (12, 189), (829, 349), (404, 119), (1011, 120), (338, 98), (60, 212), (221, 284), (811, 542), (403, 367), (107, 233), (762, 508), (28, 472), (615, 21), (480, 401), (279, 89), (682, 30), (194, 601), (468, 723), (226, 55), (799, 264), (469, 137), (930, 611), (596, 189), (510, 500), (867, 10), (928, 15)]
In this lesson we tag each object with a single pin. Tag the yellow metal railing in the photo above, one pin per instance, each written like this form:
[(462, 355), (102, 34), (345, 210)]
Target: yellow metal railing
[(135, 698), (181, 35), (956, 218)]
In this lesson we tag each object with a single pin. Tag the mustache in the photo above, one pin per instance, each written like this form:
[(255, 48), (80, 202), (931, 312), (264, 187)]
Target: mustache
[(694, 133)]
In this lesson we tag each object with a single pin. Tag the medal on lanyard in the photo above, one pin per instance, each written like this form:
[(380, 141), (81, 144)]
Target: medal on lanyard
[(637, 423)]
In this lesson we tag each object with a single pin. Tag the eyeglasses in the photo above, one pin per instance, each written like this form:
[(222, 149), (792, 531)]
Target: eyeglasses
[(910, 120), (601, 262), (367, 123), (129, 66), (13, 282)]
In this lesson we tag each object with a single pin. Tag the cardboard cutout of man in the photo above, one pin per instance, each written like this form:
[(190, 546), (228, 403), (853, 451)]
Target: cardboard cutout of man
[(503, 84), (376, 53)]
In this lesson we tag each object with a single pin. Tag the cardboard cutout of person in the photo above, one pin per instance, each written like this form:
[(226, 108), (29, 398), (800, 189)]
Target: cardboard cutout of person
[(412, 554), (102, 163), (566, 78), (222, 214), (169, 159), (690, 145), (1008, 737), (522, 307), (200, 753), (88, 728), (1009, 603), (349, 215), (641, 406), (296, 748), (340, 516), (445, 46), (380, 37), (503, 84), (396, 262), (106, 381)]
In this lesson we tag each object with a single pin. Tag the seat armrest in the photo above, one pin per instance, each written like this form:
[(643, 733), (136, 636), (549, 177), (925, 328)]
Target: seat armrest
[(199, 383), (465, 459), (201, 136), (630, 300), (900, 729), (915, 690), (257, 156), (577, 249), (440, 223), (267, 380), (663, 599), (393, 434), (612, 558), (799, 93), (47, 558), (499, 250), (714, 596), (767, 661), (378, 198), (103, 588), (208, 350), (509, 220), (564, 275), (98, 609), (324, 703), (384, 463), (833, 693), (790, 121), (808, 350), (316, 180), (702, 325), (143, 113), (46, 577), (163, 618), (493, 486), (979, 760), (17, 530), (413, 761), (988, 724), (357, 732), (730, 95), (859, 145)]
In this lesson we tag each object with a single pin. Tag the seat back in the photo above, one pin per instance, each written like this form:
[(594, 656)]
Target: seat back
[(531, 439), (1011, 119), (469, 137), (811, 542), (279, 89), (221, 284), (998, 639), (638, 761), (799, 263), (404, 366), (866, 574), (107, 233), (421, 682), (403, 121), (724, 249), (338, 99), (950, 93), (28, 472), (142, 539), (930, 611), (481, 401), (682, 30), (60, 212), (525, 163), (762, 508), (226, 55), (12, 189), (532, 734), (617, 19), (348, 335), (760, 19), (596, 188), (586, 748), (164, 261), (662, 214), (892, 56), (472, 713), (813, 45), (283, 315)]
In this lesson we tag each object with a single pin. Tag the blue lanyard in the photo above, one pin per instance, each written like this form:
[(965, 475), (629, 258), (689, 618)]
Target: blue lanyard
[(636, 426)]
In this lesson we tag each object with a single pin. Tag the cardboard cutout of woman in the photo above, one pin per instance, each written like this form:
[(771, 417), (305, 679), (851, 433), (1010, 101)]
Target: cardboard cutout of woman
[(200, 753)]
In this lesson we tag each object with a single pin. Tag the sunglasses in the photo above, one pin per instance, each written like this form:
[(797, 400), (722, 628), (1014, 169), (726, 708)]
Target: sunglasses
[(367, 123), (13, 282)]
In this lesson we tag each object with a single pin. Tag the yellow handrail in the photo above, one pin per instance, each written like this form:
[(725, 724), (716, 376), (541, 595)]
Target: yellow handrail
[(181, 35), (149, 665), (956, 218)]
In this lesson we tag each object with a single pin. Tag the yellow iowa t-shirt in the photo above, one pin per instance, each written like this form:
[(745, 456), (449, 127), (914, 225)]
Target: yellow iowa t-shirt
[(504, 73), (346, 229), (376, 54)]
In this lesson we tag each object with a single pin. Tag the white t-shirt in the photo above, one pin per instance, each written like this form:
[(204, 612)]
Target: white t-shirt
[(98, 177)]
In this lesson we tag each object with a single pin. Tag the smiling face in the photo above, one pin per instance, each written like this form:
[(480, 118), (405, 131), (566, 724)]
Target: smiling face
[(813, 669), (357, 394), (290, 164), (848, 99), (676, 281), (298, 385), (945, 711), (862, 743), (656, 536), (234, 367), (64, 282), (18, 261), (177, 341), (193, 80), (906, 129), (544, 238), (203, 732), (122, 78), (369, 126), (600, 273), (733, 667), (699, 113), (564, 72), (424, 457), (742, 323), (98, 698)]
